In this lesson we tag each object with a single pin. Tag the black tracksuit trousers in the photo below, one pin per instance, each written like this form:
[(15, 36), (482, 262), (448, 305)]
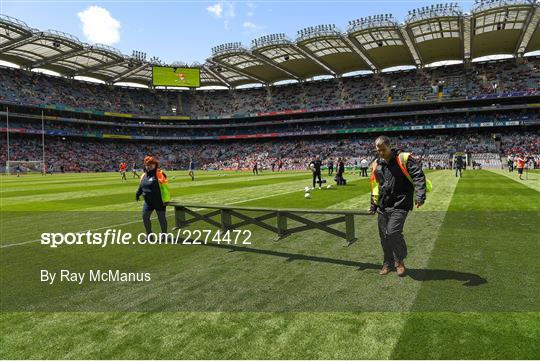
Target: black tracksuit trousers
[(391, 222)]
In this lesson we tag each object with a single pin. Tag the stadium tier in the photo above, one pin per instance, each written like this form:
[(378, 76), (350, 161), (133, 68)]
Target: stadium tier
[(453, 82), (361, 194), (102, 155), (88, 127), (486, 109)]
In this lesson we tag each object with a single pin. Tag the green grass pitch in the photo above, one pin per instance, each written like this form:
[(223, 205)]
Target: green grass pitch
[(472, 290)]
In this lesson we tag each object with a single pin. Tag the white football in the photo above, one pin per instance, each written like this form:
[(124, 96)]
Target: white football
[(307, 195), (307, 189), (329, 186)]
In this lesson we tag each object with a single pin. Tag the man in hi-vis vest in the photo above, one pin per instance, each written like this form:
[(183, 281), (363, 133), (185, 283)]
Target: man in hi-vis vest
[(397, 183)]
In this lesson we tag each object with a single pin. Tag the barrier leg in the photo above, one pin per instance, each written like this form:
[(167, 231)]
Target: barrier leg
[(281, 224), (226, 220), (349, 229), (179, 217)]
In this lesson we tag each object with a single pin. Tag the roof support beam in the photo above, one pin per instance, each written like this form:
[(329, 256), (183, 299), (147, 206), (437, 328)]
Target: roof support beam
[(466, 37), (217, 76), (24, 34), (410, 45), (18, 42), (236, 70), (59, 57), (97, 67), (276, 66), (529, 29), (313, 58), (361, 53), (129, 72)]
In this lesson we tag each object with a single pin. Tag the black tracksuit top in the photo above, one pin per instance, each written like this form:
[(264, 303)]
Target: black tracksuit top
[(149, 189), (395, 190)]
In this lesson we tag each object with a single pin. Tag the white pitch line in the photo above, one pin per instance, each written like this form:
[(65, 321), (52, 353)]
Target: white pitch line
[(137, 221)]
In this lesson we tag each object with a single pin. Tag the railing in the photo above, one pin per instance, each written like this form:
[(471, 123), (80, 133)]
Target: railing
[(234, 217)]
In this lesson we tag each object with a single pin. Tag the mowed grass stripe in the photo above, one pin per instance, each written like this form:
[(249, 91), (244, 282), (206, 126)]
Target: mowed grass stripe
[(429, 219), (82, 219), (271, 335), (489, 232), (13, 181), (116, 187), (71, 255), (10, 181), (64, 178), (198, 335), (179, 178), (532, 180), (236, 195), (327, 335), (72, 221), (118, 194)]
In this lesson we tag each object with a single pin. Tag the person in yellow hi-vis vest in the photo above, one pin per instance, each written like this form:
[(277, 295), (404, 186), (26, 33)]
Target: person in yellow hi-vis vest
[(397, 184)]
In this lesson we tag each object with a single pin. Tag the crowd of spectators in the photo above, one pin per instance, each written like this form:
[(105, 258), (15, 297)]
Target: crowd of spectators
[(79, 128), (88, 155), (411, 85), (79, 154), (516, 144), (33, 88), (460, 80)]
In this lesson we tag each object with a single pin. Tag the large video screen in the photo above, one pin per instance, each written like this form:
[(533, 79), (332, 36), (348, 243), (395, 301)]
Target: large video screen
[(172, 76)]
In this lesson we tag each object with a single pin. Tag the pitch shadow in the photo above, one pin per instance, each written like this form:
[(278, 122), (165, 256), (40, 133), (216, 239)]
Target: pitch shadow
[(417, 274)]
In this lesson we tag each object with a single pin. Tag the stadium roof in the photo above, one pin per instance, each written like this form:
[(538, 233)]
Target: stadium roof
[(428, 34)]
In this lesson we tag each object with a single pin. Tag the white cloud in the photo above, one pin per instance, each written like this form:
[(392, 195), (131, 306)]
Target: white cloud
[(222, 10), (252, 27), (99, 26), (216, 10)]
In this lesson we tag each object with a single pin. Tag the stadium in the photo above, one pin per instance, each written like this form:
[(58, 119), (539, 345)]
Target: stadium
[(241, 138)]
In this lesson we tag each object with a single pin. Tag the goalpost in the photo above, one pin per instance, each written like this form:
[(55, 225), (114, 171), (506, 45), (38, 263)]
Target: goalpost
[(25, 166)]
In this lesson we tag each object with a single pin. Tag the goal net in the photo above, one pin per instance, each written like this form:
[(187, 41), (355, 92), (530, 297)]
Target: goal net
[(24, 166)]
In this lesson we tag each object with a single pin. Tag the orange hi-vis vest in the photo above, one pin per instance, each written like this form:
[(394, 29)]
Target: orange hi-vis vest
[(163, 185), (401, 160), (520, 163)]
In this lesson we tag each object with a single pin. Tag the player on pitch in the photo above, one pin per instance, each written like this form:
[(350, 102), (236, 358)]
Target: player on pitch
[(395, 178), (191, 169), (123, 167), (134, 171), (521, 160)]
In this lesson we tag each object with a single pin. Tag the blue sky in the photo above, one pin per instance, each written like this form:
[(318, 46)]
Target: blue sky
[(177, 30)]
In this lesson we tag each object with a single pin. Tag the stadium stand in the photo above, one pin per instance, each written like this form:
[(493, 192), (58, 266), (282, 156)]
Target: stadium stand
[(394, 82), (103, 155), (23, 87)]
